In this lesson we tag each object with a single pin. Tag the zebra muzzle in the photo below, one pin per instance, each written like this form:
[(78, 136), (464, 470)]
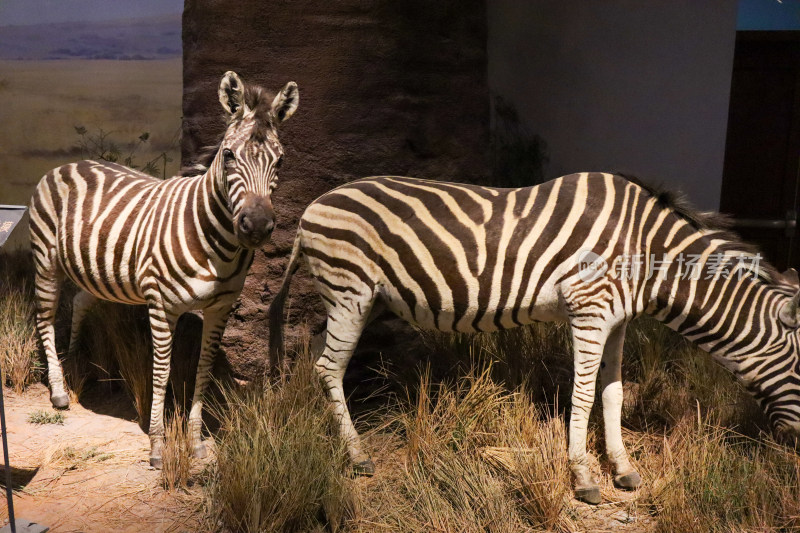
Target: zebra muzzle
[(255, 222)]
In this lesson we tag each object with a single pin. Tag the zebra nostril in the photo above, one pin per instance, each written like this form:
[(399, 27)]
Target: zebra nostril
[(245, 224)]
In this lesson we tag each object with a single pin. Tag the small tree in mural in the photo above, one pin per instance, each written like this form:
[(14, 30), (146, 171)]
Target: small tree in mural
[(518, 156), (100, 145)]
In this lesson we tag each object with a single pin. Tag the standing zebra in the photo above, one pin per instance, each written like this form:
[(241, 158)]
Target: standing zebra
[(175, 245), (455, 257)]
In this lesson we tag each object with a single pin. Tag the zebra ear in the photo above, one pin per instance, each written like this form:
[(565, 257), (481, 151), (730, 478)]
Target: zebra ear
[(791, 277), (285, 104), (790, 313), (231, 94)]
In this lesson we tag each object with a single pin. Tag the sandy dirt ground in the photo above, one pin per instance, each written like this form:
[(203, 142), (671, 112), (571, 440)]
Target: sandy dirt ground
[(90, 473)]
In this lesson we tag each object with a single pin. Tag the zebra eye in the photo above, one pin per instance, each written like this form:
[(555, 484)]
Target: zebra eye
[(279, 162), (228, 155)]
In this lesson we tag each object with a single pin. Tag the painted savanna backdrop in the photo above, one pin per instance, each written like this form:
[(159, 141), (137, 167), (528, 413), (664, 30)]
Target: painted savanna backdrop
[(468, 433)]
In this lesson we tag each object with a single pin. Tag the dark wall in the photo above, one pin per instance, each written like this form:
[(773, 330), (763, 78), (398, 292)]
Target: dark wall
[(638, 87), (386, 87)]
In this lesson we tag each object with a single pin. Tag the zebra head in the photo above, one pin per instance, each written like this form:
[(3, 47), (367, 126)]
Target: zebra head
[(250, 154)]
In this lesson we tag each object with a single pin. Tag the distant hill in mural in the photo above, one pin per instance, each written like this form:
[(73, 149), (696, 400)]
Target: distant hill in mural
[(143, 38)]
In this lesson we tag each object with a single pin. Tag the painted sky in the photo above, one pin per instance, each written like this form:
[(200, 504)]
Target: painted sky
[(24, 12)]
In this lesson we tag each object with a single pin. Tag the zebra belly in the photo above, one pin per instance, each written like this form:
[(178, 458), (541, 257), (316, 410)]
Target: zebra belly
[(92, 277), (476, 318), (113, 292)]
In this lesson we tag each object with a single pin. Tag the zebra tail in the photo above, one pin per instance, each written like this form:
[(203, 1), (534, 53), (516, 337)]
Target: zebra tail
[(276, 348)]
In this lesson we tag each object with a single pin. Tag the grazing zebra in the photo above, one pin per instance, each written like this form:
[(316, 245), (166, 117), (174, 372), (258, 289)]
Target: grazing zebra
[(455, 257), (175, 245)]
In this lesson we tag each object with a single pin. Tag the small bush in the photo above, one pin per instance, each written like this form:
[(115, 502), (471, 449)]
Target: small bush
[(42, 417), (280, 462)]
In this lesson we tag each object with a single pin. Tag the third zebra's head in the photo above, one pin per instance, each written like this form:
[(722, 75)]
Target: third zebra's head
[(250, 154)]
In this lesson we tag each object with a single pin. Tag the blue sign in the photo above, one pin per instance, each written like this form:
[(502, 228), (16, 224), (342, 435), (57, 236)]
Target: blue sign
[(9, 217)]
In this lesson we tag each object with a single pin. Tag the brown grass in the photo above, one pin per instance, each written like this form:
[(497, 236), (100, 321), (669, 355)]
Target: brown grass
[(280, 463), (472, 457), (18, 344), (711, 478), (474, 454), (177, 452), (19, 361)]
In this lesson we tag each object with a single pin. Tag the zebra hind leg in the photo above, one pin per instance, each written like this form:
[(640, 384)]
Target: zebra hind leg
[(81, 303), (626, 477), (344, 328), (49, 280)]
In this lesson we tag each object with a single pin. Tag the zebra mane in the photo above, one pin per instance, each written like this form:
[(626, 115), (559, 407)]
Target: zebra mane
[(255, 98), (712, 224), (202, 161), (260, 100)]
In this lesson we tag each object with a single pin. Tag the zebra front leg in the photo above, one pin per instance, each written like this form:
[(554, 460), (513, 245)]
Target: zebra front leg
[(587, 344), (47, 291), (626, 477), (214, 321), (341, 337), (162, 327)]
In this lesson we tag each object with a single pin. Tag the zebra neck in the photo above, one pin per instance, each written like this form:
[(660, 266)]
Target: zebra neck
[(732, 318), (216, 183), (215, 218)]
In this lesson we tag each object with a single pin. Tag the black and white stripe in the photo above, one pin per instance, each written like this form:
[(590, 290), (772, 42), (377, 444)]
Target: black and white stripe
[(175, 245), (466, 258)]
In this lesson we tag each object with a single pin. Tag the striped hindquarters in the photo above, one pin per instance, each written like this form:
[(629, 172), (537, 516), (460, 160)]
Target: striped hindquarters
[(84, 220)]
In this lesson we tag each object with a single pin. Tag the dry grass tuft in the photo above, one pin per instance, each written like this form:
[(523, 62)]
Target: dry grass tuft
[(177, 452), (280, 463), (537, 465), (19, 362), (71, 457), (713, 478), (475, 458)]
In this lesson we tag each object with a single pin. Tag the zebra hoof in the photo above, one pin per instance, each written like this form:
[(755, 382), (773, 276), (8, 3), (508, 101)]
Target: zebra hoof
[(590, 495), (629, 481), (60, 401), (199, 451), (364, 468), (156, 463)]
